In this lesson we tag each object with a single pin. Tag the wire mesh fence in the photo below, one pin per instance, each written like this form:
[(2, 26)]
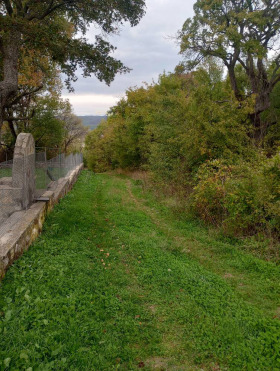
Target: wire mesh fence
[(52, 169), (8, 194), (45, 167)]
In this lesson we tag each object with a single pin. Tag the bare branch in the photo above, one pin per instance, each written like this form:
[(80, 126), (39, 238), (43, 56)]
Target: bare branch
[(24, 94)]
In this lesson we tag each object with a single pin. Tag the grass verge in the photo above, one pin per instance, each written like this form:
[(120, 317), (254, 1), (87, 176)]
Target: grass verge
[(117, 282)]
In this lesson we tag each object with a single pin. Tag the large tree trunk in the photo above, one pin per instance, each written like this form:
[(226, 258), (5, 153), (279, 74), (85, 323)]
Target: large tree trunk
[(262, 104), (10, 47), (233, 82), (261, 87)]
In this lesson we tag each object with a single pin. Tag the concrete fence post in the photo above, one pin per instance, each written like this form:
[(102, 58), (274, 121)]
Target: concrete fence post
[(24, 169)]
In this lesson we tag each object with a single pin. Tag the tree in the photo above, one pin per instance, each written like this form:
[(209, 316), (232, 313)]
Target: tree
[(74, 130), (56, 29), (38, 76), (172, 127), (238, 32), (51, 122), (44, 123)]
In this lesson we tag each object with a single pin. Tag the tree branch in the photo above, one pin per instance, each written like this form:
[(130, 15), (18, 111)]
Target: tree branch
[(18, 118), (9, 7), (275, 81), (51, 8), (243, 64), (12, 129), (24, 94)]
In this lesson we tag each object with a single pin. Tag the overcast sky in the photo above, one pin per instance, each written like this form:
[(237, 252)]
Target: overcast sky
[(146, 48)]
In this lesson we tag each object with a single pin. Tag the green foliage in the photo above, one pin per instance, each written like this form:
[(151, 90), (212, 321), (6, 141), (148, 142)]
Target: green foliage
[(118, 282), (180, 122), (45, 127), (272, 115), (37, 37), (216, 125), (190, 132), (175, 125), (52, 124), (56, 29), (241, 35), (230, 30), (243, 198), (100, 156)]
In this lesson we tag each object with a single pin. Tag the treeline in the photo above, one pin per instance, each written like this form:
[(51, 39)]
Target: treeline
[(52, 123), (41, 41), (194, 137)]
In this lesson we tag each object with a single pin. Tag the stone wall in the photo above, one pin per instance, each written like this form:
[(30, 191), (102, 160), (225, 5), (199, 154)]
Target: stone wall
[(23, 227)]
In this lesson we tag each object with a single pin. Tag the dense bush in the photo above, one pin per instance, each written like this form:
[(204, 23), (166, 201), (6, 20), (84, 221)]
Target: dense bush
[(189, 132), (242, 198)]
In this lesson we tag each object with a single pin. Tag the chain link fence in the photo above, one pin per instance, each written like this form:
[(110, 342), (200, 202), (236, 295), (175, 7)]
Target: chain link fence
[(50, 166), (50, 169), (8, 194)]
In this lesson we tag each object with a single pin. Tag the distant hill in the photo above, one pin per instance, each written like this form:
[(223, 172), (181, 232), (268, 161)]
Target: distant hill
[(92, 121)]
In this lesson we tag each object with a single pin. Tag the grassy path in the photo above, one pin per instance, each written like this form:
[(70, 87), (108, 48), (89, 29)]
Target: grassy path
[(116, 282)]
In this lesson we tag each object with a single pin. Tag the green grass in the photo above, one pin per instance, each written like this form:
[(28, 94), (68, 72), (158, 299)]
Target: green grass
[(5, 172), (117, 282)]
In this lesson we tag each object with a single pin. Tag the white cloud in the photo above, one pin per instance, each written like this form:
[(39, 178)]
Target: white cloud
[(146, 48), (91, 104)]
